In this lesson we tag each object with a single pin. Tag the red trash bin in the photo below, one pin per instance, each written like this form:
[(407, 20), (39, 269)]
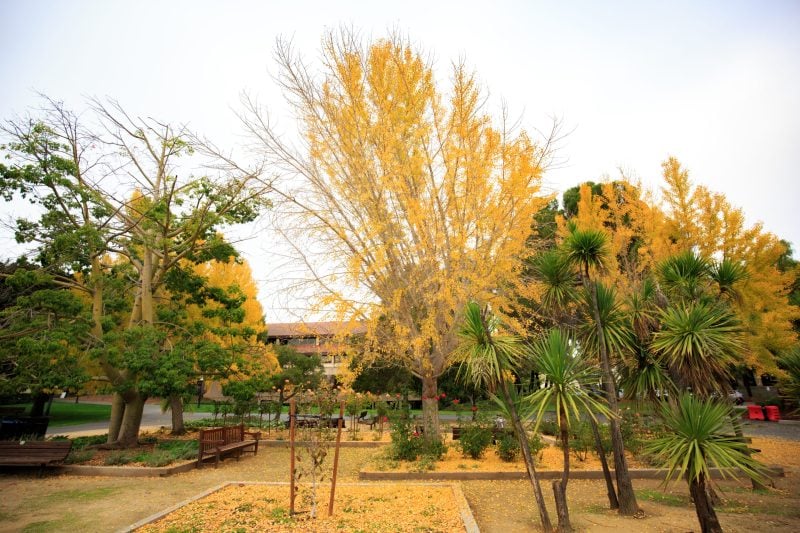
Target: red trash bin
[(754, 412), (773, 413)]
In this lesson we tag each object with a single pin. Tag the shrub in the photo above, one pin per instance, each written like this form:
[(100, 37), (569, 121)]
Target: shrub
[(158, 458), (179, 449), (406, 443), (474, 440), (92, 440), (549, 427), (583, 441), (508, 447), (118, 458), (536, 445), (432, 450), (78, 456)]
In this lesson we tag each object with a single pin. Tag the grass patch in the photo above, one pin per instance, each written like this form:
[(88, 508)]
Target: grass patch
[(5, 516), (778, 508), (663, 498), (65, 523), (78, 496)]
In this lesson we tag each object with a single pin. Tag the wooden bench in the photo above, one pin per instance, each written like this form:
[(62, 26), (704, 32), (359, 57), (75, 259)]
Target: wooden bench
[(362, 419), (216, 442), (39, 453)]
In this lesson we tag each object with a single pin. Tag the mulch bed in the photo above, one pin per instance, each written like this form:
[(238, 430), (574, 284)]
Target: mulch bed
[(265, 507)]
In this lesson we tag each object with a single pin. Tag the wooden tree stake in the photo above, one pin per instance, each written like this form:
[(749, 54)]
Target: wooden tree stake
[(336, 456), (291, 455)]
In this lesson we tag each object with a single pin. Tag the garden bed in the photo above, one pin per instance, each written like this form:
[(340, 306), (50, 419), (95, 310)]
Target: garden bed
[(265, 506), (549, 463)]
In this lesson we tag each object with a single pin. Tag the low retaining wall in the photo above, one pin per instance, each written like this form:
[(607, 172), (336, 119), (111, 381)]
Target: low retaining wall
[(125, 471), (347, 444)]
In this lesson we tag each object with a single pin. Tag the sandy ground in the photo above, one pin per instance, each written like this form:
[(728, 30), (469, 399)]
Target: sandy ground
[(99, 504)]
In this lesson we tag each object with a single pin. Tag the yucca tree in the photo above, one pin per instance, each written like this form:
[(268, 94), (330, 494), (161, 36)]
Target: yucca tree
[(486, 359), (700, 342), (588, 251), (643, 376), (790, 364), (700, 336), (559, 299), (569, 378), (696, 441), (685, 276)]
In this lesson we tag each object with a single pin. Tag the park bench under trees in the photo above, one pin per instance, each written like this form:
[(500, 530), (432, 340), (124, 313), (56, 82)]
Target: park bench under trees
[(33, 452), (216, 442)]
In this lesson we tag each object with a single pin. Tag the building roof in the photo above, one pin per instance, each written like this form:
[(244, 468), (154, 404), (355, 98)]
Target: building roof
[(304, 329)]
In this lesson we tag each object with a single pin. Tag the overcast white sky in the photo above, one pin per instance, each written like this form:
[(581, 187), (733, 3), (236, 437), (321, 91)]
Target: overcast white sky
[(714, 83)]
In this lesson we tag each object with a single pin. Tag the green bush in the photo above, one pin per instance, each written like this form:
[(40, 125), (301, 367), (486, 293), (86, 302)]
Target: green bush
[(118, 458), (406, 443), (78, 456), (433, 450), (536, 444), (158, 458), (549, 427), (92, 440), (179, 449), (508, 447), (474, 440)]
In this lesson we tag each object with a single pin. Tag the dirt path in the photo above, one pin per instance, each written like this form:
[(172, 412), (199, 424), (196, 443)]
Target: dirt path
[(99, 504)]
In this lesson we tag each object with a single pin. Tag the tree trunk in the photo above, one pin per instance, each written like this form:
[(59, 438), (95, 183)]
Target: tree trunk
[(613, 503), (526, 454), (39, 401), (430, 408), (702, 505), (117, 412), (627, 498), (560, 487), (562, 510), (131, 420), (176, 406)]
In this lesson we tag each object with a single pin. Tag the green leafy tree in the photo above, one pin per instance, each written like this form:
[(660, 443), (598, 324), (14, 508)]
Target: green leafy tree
[(298, 372), (43, 334), (115, 190)]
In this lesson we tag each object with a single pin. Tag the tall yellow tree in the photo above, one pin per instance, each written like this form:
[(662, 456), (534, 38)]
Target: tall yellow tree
[(405, 201), (706, 222)]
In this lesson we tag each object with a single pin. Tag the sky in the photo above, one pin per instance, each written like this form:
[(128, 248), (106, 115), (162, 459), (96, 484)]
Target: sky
[(715, 84)]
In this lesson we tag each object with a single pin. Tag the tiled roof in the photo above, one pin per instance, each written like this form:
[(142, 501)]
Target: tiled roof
[(303, 329)]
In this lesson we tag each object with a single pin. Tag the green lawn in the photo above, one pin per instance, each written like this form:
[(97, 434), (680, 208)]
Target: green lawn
[(69, 413)]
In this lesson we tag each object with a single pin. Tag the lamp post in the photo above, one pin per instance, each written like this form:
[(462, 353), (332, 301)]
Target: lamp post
[(201, 389)]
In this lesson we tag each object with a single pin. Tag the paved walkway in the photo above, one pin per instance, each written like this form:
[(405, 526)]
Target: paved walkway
[(152, 418)]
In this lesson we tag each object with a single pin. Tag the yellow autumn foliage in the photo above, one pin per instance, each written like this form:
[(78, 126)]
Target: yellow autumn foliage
[(414, 195)]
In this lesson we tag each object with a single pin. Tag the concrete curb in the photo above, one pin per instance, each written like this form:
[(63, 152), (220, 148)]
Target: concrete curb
[(464, 510), (122, 471), (348, 444), (642, 473)]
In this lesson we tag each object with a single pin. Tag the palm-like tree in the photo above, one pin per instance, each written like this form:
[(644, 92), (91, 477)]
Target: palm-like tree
[(700, 342), (790, 363), (588, 250), (487, 358), (558, 300), (695, 442), (569, 380)]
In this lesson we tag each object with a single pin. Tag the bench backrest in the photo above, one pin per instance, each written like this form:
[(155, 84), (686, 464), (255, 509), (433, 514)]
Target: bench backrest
[(54, 450), (226, 434)]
